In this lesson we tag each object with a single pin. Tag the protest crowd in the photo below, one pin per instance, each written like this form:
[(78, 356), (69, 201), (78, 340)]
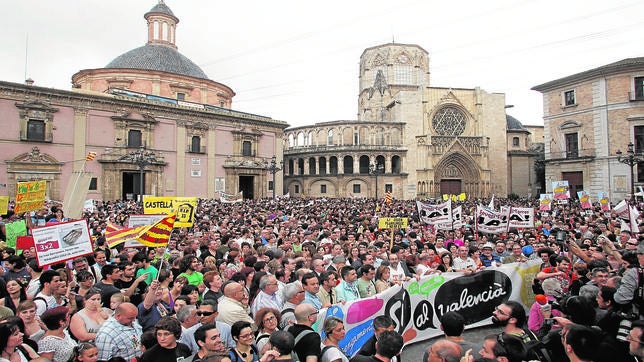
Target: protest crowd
[(249, 281)]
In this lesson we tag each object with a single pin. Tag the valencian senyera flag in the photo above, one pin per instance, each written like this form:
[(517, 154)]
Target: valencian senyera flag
[(158, 234), (153, 235), (115, 235)]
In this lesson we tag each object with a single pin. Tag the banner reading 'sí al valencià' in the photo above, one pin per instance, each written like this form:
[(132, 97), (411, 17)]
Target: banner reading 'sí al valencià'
[(184, 207), (417, 305)]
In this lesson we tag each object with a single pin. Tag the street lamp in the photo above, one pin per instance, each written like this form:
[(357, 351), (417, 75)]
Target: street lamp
[(141, 158), (631, 159), (272, 168), (375, 169)]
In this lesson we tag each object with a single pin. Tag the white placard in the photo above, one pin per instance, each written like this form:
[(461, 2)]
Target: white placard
[(61, 242)]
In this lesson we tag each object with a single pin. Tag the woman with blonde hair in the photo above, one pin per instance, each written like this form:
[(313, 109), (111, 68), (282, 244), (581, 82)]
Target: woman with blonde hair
[(334, 333)]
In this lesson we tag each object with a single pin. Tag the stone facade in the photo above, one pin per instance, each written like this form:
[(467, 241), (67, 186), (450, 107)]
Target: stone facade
[(422, 141), (588, 117)]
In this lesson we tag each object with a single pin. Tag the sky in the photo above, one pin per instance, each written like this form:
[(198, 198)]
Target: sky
[(298, 61)]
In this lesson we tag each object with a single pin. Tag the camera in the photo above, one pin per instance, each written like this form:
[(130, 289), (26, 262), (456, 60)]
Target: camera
[(561, 236)]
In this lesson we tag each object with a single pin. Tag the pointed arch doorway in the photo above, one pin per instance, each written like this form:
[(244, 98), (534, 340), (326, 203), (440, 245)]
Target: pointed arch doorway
[(457, 173)]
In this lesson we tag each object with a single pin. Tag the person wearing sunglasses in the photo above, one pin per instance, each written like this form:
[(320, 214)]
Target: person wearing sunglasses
[(207, 313)]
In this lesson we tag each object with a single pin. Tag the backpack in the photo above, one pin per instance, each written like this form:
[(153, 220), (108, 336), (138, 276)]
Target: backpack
[(299, 337), (537, 350)]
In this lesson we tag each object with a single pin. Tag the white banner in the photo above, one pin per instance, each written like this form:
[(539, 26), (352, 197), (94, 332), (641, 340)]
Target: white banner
[(62, 241), (522, 217), (225, 198), (435, 214), (491, 222), (457, 221), (417, 306)]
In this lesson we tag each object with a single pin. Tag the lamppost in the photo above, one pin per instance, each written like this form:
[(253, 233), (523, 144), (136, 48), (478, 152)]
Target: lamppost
[(272, 168), (141, 158), (375, 169), (631, 159)]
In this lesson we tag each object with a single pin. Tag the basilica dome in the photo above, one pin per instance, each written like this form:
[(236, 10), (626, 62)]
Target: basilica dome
[(158, 57)]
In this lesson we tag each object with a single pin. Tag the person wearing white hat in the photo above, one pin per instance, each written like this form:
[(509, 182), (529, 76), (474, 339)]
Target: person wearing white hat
[(487, 257)]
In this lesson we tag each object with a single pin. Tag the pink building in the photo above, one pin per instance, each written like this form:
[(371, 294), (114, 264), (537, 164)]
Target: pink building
[(151, 114)]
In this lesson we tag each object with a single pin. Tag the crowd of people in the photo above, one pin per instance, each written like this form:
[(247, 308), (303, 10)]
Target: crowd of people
[(248, 281)]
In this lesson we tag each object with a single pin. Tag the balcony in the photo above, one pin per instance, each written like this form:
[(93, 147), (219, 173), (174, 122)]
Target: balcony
[(579, 154), (195, 149), (47, 137), (315, 149)]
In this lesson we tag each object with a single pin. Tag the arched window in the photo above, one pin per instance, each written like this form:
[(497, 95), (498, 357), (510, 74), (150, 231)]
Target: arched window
[(333, 165), (515, 141), (348, 165), (329, 140), (291, 140), (322, 165)]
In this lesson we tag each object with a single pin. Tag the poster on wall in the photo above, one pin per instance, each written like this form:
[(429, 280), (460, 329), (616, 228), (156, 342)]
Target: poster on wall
[(61, 242)]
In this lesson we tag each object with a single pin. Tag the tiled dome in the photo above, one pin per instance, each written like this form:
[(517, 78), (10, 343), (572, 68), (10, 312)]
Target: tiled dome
[(157, 57), (513, 123)]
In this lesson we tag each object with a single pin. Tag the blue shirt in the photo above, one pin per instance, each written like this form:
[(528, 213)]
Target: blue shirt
[(312, 299)]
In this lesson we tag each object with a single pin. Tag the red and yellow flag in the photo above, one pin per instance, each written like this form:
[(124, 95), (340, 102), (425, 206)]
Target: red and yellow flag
[(158, 234), (388, 198), (115, 236)]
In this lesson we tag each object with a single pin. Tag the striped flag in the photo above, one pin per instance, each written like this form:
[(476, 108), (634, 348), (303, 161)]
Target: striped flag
[(115, 235), (388, 198), (158, 234)]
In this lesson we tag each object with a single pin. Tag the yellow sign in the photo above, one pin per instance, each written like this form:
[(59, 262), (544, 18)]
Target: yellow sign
[(30, 196), (392, 223), (4, 205), (184, 207)]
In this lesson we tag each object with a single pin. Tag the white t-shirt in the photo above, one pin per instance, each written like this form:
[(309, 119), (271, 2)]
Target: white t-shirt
[(332, 354), (47, 302)]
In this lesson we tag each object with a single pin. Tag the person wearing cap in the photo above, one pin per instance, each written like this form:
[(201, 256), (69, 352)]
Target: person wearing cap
[(487, 257)]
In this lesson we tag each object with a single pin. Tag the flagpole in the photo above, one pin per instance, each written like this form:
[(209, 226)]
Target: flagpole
[(161, 264), (476, 223)]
